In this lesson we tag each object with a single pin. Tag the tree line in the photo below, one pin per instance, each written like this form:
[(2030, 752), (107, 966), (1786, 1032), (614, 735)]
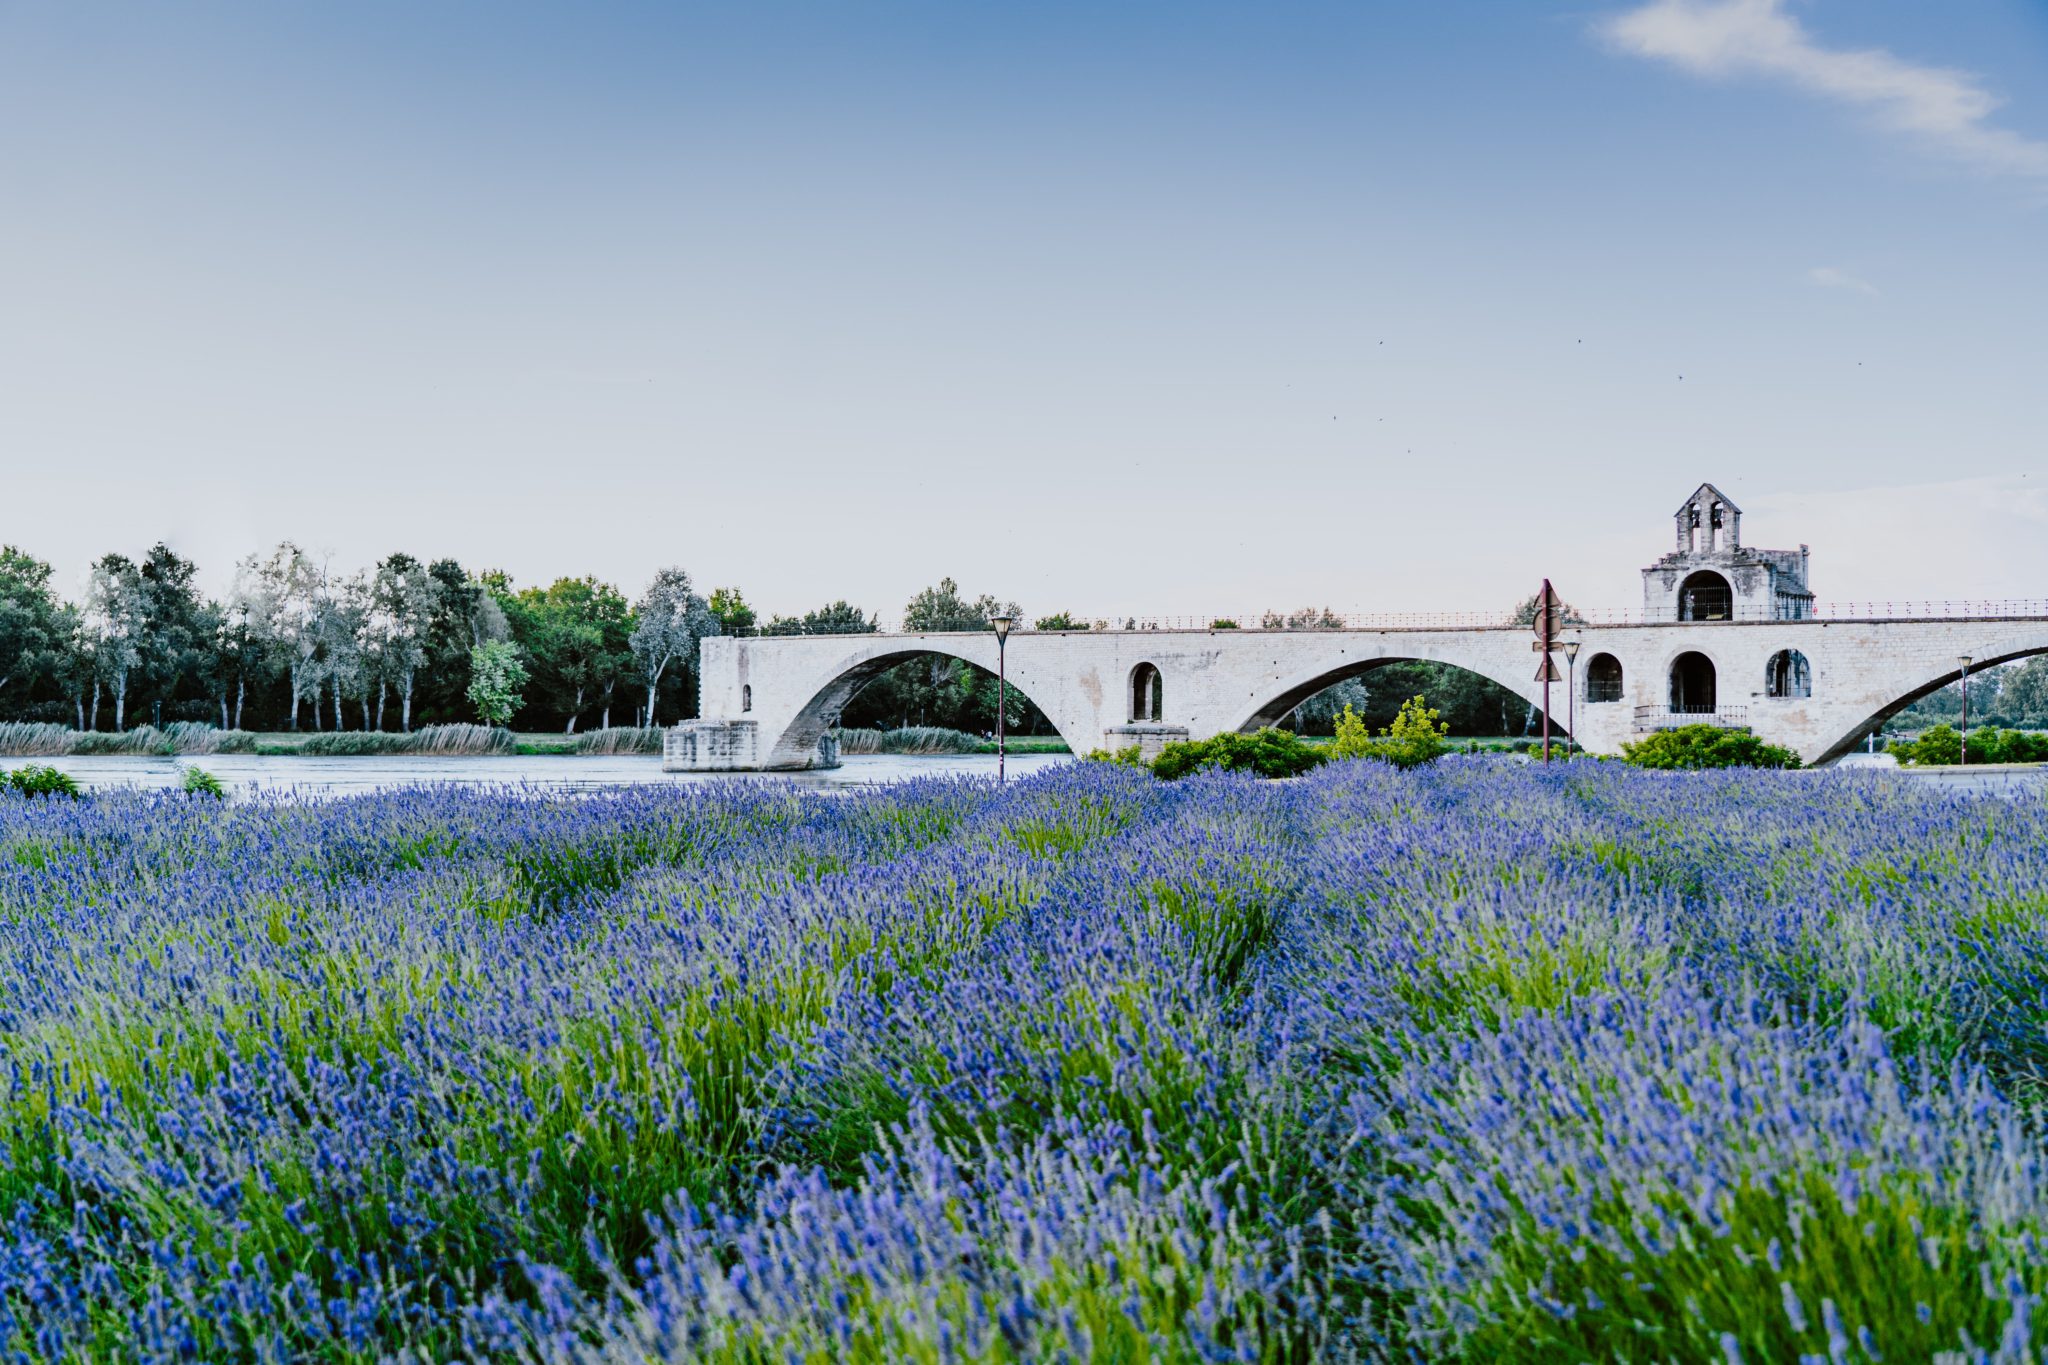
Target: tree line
[(295, 644)]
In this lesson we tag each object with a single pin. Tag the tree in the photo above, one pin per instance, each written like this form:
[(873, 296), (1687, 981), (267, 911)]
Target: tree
[(1416, 736), (398, 628), (173, 638), (2024, 695), (495, 677), (1307, 618), (735, 617), (233, 655), (576, 632), (32, 627), (1059, 620), (345, 662), (464, 615), (285, 596), (113, 623), (672, 620), (840, 618), (943, 609), (1525, 612)]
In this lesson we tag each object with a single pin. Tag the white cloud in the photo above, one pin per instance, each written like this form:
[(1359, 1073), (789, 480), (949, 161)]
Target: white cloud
[(1830, 277), (1945, 109)]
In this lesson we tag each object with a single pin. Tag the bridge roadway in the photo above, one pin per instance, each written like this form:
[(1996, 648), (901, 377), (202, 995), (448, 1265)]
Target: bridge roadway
[(769, 701)]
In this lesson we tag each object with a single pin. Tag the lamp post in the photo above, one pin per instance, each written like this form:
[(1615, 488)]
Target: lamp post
[(1571, 698), (1964, 660), (1002, 625)]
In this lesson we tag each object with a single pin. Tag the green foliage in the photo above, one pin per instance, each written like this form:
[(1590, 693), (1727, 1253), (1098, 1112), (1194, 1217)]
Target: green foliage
[(1060, 620), (1269, 753), (731, 609), (199, 782), (1941, 746), (575, 634), (839, 618), (40, 780), (495, 677), (1707, 746), (1128, 757), (1416, 736), (943, 609), (1223, 623)]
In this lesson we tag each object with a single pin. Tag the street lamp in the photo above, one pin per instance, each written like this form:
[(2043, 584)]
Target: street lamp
[(1964, 660), (1571, 697), (1002, 624)]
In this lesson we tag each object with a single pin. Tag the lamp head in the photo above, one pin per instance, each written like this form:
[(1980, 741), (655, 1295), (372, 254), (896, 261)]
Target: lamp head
[(1002, 625), (1963, 659), (1571, 650)]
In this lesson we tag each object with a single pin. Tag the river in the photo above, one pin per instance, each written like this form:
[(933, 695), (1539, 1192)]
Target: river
[(251, 773)]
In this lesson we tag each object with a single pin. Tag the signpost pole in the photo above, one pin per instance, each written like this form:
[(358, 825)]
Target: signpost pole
[(1543, 610)]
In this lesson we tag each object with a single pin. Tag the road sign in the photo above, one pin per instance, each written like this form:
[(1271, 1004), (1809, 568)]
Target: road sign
[(1546, 672)]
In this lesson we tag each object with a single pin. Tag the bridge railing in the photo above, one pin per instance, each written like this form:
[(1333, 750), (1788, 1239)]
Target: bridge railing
[(1670, 718), (1933, 610)]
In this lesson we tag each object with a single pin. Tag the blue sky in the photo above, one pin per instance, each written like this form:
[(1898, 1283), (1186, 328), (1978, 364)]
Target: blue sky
[(1149, 308)]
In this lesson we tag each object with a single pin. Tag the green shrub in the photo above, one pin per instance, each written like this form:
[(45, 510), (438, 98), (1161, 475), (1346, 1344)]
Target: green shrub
[(41, 780), (1128, 757), (1940, 746), (1707, 746), (1269, 753), (199, 782), (1416, 736)]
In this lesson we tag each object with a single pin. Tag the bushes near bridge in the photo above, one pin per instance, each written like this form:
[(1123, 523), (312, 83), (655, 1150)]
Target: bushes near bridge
[(1707, 746), (1941, 746)]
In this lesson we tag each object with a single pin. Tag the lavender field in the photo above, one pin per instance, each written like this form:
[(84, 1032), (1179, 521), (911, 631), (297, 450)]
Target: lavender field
[(1472, 1063)]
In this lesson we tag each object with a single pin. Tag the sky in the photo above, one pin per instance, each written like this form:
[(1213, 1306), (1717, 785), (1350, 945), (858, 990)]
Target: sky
[(1187, 309)]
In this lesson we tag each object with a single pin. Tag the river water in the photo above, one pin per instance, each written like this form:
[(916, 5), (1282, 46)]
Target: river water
[(250, 773)]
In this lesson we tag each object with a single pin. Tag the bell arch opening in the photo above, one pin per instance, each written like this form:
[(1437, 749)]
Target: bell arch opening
[(1603, 679), (1693, 685), (1706, 596), (1788, 675), (1148, 694)]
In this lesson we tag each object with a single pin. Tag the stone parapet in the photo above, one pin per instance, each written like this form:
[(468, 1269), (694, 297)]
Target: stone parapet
[(1147, 737)]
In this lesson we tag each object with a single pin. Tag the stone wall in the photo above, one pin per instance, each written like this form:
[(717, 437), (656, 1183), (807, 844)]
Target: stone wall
[(1239, 679)]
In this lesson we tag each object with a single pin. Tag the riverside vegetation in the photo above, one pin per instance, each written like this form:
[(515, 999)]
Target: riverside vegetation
[(1471, 1062)]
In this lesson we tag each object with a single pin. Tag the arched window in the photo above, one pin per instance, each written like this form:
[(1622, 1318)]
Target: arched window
[(1706, 596), (746, 696), (1148, 699), (1603, 678), (1787, 675), (1692, 684)]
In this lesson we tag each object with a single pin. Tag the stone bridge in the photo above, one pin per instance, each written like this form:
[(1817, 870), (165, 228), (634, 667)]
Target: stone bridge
[(1817, 686)]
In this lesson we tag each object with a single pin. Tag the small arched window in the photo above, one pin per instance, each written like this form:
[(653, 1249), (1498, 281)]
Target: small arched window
[(1603, 678), (1788, 675), (1148, 694), (746, 696)]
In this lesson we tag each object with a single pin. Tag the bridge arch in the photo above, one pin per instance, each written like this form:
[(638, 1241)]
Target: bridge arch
[(797, 743), (1281, 701), (1912, 683)]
